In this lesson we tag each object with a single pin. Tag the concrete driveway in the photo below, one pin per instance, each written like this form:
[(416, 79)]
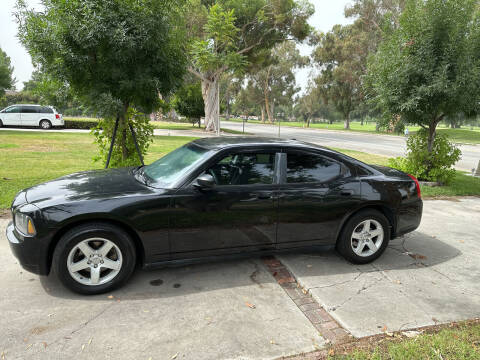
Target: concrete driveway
[(426, 277), (238, 310)]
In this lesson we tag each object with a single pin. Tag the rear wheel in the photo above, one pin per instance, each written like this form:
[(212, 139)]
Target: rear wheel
[(1, 123), (94, 258), (364, 237), (45, 124)]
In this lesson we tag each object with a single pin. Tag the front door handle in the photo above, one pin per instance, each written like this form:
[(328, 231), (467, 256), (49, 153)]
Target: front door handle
[(346, 192)]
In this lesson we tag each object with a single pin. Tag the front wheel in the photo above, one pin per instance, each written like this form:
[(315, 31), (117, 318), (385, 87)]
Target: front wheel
[(364, 237), (94, 258)]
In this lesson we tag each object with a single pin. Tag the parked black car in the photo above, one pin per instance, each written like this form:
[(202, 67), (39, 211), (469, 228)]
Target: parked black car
[(209, 198)]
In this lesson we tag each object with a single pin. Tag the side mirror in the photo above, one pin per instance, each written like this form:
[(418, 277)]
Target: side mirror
[(205, 181)]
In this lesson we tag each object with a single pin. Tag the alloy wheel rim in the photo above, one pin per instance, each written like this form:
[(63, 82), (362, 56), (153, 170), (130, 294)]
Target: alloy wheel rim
[(45, 125), (94, 261), (367, 238)]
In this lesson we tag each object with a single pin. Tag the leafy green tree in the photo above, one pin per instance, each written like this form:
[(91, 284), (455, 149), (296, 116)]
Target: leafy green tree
[(7, 81), (429, 68), (114, 54), (339, 58), (234, 34), (188, 101)]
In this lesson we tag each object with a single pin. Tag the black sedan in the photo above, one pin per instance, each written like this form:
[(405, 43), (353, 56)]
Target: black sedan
[(209, 198)]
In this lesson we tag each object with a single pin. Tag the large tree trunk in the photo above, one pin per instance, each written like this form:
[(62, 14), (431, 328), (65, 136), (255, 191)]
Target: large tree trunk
[(263, 114), (267, 107), (210, 98), (347, 122)]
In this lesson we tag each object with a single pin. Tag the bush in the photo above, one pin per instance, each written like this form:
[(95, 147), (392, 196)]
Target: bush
[(103, 135), (81, 123), (434, 166)]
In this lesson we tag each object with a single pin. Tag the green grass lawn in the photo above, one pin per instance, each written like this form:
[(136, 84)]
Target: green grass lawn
[(29, 158), (460, 342)]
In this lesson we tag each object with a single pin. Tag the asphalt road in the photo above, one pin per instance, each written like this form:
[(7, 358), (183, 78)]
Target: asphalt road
[(387, 145)]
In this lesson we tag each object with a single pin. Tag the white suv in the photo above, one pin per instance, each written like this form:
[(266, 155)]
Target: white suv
[(31, 115)]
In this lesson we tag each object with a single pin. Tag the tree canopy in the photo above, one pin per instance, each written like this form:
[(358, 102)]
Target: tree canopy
[(7, 81), (429, 67), (115, 54)]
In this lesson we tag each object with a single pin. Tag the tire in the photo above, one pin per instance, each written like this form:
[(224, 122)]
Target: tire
[(99, 270), (45, 124), (1, 124), (359, 245)]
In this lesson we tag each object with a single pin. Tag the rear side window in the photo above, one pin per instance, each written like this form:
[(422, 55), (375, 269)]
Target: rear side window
[(306, 168), (30, 109), (46, 110)]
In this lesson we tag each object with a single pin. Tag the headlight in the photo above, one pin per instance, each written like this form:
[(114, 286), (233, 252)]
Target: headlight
[(24, 224)]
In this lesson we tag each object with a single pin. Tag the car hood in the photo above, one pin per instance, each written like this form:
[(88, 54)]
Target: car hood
[(95, 184)]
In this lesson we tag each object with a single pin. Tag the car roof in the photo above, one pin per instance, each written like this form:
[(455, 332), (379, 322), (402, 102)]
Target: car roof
[(222, 142)]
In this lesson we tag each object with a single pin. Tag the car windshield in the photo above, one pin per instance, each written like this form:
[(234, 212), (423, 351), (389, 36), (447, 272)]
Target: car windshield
[(166, 171)]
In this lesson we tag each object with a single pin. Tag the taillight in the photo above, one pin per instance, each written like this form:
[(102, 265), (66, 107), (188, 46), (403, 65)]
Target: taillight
[(57, 116), (417, 184)]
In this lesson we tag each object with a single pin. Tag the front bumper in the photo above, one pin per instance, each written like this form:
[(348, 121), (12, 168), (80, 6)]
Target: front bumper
[(29, 251)]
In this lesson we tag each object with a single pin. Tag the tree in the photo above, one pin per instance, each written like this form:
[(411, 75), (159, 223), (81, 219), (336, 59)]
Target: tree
[(7, 81), (429, 68), (188, 101), (339, 57), (276, 78), (115, 54), (232, 34)]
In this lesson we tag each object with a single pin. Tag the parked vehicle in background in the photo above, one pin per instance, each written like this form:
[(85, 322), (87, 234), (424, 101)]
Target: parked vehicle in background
[(44, 117)]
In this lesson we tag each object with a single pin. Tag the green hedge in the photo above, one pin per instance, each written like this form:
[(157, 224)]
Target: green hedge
[(80, 123)]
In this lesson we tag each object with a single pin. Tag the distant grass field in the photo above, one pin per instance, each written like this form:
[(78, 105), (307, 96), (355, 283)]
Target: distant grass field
[(29, 158)]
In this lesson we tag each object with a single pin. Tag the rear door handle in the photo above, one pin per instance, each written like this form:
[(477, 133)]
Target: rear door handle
[(346, 192)]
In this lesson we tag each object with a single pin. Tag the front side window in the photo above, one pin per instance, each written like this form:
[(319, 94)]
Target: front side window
[(13, 110), (306, 168), (244, 169), (166, 171)]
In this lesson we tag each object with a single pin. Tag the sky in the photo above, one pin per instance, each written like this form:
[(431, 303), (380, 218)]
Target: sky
[(327, 13)]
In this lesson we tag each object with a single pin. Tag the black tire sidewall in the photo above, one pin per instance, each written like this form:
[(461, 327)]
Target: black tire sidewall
[(76, 235), (344, 242)]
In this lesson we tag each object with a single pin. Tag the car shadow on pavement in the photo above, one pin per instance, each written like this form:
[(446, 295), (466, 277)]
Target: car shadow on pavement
[(412, 251)]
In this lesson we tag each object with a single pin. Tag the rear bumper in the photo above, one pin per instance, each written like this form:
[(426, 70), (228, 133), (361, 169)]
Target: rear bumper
[(409, 216), (29, 251)]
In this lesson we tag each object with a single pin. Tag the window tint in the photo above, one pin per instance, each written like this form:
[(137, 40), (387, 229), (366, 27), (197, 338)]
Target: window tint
[(30, 109), (46, 110), (244, 169), (302, 168), (13, 110)]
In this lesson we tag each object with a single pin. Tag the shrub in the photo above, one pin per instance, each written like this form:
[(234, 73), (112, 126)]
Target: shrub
[(103, 135), (434, 166), (81, 123)]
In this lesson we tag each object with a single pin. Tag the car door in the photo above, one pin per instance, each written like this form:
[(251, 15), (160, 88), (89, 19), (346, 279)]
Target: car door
[(317, 192), (30, 115), (238, 214), (12, 116)]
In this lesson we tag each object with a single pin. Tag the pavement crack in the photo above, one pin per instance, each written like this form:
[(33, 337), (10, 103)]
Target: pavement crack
[(359, 291), (253, 275)]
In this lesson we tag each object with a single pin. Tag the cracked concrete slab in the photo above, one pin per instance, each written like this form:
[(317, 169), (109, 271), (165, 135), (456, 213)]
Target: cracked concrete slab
[(196, 312), (426, 277)]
